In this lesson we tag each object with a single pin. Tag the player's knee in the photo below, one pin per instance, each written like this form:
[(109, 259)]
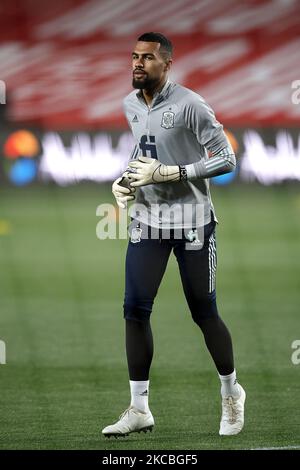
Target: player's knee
[(137, 310), (204, 308)]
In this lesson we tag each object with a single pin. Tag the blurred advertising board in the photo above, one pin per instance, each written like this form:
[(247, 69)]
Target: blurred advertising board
[(27, 156)]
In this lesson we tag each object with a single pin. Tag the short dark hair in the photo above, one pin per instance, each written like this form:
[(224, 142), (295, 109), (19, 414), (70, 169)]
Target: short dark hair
[(165, 43)]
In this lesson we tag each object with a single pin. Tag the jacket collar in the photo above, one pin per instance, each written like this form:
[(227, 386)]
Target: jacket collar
[(159, 96)]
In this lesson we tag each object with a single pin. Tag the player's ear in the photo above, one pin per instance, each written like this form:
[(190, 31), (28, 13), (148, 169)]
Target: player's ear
[(168, 64)]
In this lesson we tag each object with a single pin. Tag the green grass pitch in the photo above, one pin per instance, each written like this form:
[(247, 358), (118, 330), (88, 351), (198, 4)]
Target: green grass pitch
[(61, 294)]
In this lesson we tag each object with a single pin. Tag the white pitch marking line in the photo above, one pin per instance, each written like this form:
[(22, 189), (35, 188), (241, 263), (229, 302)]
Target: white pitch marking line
[(276, 448)]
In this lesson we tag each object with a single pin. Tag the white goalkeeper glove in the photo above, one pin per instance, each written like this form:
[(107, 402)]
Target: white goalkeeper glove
[(122, 191), (149, 171)]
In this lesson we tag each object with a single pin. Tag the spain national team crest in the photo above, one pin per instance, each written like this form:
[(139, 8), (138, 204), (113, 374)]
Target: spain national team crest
[(136, 235), (167, 120)]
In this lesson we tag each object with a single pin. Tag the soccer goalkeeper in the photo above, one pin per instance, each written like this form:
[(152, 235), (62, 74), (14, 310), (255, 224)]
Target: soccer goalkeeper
[(174, 129)]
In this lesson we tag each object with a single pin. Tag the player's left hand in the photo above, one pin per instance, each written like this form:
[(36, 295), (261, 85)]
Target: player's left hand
[(151, 171)]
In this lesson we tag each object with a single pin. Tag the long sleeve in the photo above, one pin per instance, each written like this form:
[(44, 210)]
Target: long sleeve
[(219, 164), (201, 120)]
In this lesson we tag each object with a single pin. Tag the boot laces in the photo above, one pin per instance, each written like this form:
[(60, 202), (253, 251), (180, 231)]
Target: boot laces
[(230, 411), (126, 412)]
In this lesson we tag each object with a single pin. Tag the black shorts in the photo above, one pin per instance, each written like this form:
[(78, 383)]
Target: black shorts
[(146, 260)]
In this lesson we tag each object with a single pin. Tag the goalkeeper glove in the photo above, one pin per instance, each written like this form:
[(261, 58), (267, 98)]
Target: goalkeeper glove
[(122, 191), (149, 171)]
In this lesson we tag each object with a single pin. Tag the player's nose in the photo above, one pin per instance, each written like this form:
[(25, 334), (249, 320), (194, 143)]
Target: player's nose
[(138, 63)]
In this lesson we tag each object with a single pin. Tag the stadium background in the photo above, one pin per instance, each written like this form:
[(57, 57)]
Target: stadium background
[(64, 69)]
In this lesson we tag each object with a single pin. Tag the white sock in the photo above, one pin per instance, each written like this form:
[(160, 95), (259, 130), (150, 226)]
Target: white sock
[(229, 385), (139, 394)]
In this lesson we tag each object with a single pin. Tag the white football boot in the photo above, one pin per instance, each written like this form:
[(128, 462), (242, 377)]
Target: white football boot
[(232, 420), (132, 420)]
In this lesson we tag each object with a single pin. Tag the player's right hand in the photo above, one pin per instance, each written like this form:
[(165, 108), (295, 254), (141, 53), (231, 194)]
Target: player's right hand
[(122, 193)]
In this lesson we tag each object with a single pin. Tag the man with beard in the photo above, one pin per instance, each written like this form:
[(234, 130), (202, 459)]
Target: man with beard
[(174, 129)]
